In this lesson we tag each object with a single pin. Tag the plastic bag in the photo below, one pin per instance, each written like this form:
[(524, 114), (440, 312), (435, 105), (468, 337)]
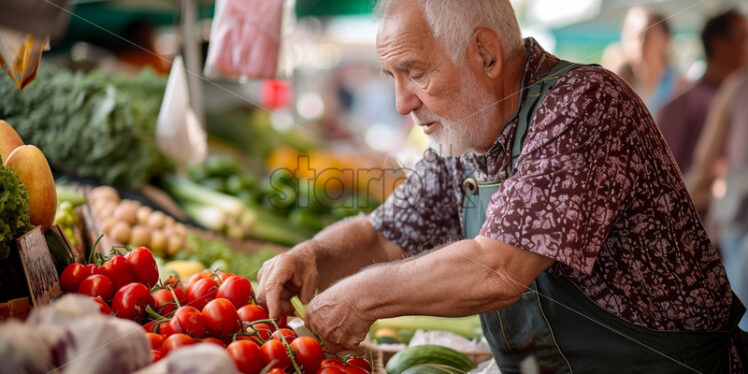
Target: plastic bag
[(179, 134), (245, 38), (20, 54)]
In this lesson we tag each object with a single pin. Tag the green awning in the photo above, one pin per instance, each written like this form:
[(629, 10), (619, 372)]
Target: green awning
[(333, 7)]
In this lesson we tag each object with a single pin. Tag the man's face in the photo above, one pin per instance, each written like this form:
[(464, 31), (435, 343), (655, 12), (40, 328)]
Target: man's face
[(448, 101)]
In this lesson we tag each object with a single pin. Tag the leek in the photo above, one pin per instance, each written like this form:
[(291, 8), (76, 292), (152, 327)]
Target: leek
[(468, 327)]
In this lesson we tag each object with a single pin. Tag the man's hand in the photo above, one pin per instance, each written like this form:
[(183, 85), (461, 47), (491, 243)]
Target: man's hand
[(336, 316), (292, 273)]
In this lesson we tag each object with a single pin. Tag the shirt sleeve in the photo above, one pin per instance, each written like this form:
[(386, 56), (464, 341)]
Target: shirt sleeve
[(422, 213), (577, 167)]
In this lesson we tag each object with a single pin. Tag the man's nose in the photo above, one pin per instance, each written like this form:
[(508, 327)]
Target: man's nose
[(406, 100)]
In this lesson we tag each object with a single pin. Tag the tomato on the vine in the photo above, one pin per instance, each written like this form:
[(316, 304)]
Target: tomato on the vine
[(236, 289), (309, 353), (359, 362), (201, 292), (331, 360), (247, 356), (275, 354), (263, 330), (207, 273), (165, 300), (289, 334), (188, 320), (276, 371), (330, 370), (220, 318), (92, 268), (157, 355), (223, 276), (131, 300), (156, 340), (251, 313), (97, 286), (175, 341), (215, 341), (118, 270), (72, 276), (143, 266)]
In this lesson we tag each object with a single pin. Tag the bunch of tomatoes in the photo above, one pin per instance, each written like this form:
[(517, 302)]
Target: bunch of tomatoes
[(213, 307)]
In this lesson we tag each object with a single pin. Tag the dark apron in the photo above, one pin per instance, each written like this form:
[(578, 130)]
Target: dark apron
[(566, 331)]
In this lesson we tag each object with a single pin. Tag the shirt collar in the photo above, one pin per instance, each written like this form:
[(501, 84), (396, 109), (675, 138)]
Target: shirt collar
[(491, 167)]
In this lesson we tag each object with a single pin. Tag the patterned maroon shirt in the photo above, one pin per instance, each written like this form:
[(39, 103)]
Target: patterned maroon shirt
[(596, 189)]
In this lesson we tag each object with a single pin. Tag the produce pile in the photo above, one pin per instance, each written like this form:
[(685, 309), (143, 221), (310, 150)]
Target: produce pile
[(91, 125), (214, 307), (222, 196)]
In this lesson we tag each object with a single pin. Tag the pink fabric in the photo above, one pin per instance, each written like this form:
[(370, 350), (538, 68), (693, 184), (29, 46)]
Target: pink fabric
[(596, 189)]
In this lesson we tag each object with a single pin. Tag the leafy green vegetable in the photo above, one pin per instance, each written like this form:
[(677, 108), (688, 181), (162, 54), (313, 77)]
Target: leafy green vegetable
[(14, 211), (93, 125), (211, 251)]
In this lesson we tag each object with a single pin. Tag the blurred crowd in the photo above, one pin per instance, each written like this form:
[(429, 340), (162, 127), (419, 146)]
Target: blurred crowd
[(705, 122)]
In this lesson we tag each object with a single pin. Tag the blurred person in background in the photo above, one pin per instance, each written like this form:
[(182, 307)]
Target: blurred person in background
[(645, 42), (722, 156), (725, 40)]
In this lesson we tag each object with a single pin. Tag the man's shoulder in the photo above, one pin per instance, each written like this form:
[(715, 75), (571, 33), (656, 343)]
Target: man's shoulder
[(586, 78)]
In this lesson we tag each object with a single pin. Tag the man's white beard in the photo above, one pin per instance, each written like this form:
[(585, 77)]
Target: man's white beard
[(459, 136)]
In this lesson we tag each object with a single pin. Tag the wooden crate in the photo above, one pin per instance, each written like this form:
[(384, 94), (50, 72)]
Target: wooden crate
[(381, 353)]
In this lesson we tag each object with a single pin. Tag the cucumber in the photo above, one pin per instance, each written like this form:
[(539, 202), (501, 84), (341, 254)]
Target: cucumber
[(428, 354), (433, 369)]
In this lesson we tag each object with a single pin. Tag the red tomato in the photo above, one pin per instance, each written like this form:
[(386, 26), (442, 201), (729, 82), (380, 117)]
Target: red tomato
[(156, 340), (263, 329), (236, 289), (220, 318), (148, 327), (308, 353), (131, 300), (207, 273), (330, 370), (247, 356), (72, 276), (97, 286), (203, 291), (289, 334), (92, 268), (331, 360), (275, 354), (223, 276), (118, 270), (157, 355), (254, 339), (188, 320), (359, 362), (175, 341), (143, 266), (276, 371), (103, 306), (165, 300), (164, 328), (251, 313), (214, 341), (348, 369)]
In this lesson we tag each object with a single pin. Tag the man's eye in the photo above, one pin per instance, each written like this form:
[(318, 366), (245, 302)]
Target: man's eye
[(416, 75)]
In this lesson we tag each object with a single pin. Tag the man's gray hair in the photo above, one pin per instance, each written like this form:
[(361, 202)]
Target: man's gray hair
[(454, 21)]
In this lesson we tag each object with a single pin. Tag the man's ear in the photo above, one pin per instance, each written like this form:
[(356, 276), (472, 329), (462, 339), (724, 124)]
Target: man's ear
[(487, 52)]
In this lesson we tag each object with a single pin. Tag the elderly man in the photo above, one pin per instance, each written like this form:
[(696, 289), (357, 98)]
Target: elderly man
[(551, 203)]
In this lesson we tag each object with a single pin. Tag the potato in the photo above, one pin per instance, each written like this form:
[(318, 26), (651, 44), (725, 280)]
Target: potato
[(169, 221), (120, 232), (107, 224), (175, 244), (105, 193), (180, 230), (126, 211), (159, 241), (157, 220), (141, 235), (143, 213)]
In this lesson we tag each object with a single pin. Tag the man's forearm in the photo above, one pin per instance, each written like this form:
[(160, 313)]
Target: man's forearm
[(467, 277), (348, 246)]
